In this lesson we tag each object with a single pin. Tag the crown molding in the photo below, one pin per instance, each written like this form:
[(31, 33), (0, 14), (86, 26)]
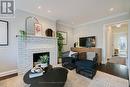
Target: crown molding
[(102, 19), (64, 24), (42, 16)]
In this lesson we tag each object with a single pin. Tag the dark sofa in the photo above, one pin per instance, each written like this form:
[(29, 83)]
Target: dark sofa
[(87, 67), (69, 62), (83, 66)]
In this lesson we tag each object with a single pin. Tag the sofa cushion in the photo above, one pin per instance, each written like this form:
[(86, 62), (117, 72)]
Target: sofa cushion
[(86, 64), (72, 53)]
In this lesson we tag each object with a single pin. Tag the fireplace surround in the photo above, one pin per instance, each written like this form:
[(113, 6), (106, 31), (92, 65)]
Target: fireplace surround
[(35, 45)]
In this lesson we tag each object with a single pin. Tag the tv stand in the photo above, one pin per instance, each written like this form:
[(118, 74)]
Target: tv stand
[(93, 49)]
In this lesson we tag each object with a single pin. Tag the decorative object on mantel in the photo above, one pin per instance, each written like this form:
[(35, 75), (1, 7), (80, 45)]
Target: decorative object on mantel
[(76, 44), (23, 34), (38, 29), (49, 32), (60, 44), (64, 34), (3, 33), (32, 26)]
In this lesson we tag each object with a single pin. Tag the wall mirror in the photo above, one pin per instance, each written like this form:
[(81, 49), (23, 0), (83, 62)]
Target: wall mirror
[(3, 33), (30, 25)]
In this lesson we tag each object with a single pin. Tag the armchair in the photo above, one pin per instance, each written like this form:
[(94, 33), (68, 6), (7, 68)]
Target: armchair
[(68, 61), (87, 67)]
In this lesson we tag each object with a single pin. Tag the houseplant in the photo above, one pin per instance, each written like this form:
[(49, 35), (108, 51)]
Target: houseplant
[(23, 34), (43, 60), (60, 44)]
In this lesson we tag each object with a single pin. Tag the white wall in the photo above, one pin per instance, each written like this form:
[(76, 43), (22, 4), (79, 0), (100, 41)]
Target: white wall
[(69, 30), (129, 48), (8, 54), (97, 29)]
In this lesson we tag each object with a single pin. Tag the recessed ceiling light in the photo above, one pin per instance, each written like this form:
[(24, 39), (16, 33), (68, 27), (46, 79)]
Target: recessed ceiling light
[(72, 22), (111, 9), (49, 11), (39, 7)]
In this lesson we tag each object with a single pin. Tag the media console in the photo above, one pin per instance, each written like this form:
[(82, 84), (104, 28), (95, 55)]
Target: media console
[(93, 49)]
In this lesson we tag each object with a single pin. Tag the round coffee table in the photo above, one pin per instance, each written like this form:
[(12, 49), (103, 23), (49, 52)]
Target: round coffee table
[(55, 77)]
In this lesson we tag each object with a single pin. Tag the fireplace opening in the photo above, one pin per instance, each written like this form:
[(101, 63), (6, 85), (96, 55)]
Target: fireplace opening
[(36, 58)]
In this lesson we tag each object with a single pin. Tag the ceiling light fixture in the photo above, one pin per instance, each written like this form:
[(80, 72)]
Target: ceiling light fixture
[(111, 9), (39, 7), (49, 11), (72, 22)]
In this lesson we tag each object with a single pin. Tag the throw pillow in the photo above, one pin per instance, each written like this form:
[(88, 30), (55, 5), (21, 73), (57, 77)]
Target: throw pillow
[(71, 53), (66, 54)]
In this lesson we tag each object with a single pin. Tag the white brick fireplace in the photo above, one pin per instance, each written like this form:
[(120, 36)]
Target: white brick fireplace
[(32, 44)]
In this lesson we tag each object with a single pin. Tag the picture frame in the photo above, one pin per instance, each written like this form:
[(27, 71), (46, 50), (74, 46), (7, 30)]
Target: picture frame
[(64, 34), (38, 29), (4, 33)]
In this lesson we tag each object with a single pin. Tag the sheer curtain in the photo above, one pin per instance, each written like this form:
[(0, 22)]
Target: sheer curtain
[(120, 42)]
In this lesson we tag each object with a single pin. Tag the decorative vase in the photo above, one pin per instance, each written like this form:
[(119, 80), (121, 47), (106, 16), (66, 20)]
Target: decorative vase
[(43, 65)]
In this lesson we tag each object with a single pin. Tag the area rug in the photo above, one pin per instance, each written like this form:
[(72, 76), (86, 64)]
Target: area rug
[(100, 80), (75, 80)]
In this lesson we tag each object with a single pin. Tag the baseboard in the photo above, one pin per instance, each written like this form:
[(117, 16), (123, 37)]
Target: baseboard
[(8, 73)]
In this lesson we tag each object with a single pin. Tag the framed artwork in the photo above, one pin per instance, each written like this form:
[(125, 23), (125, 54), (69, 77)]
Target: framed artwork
[(64, 34), (3, 33), (38, 29)]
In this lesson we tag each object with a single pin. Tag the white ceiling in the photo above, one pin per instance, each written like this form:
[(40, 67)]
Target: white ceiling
[(74, 12)]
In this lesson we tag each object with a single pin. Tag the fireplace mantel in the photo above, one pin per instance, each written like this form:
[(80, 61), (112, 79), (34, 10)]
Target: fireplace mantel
[(33, 36)]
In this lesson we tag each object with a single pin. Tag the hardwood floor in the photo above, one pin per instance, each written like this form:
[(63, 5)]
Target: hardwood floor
[(118, 60), (114, 69)]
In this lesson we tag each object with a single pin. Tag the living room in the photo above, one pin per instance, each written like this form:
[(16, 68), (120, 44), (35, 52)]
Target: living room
[(74, 20)]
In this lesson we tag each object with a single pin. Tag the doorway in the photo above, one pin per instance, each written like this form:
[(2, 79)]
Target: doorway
[(117, 43)]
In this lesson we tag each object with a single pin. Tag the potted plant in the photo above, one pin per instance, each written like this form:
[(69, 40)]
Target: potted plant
[(23, 34), (43, 61), (60, 44)]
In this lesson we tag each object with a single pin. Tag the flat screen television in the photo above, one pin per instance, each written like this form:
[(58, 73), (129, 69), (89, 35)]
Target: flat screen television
[(87, 41)]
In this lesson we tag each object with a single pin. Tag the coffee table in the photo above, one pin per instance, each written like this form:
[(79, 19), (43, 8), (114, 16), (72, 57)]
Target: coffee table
[(55, 77)]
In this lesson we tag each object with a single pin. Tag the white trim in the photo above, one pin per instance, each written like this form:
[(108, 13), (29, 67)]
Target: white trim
[(117, 22), (34, 14), (102, 19), (129, 49), (128, 44), (8, 73), (104, 40), (120, 33), (104, 61)]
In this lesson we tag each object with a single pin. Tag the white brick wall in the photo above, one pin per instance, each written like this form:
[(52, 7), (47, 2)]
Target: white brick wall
[(31, 45)]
